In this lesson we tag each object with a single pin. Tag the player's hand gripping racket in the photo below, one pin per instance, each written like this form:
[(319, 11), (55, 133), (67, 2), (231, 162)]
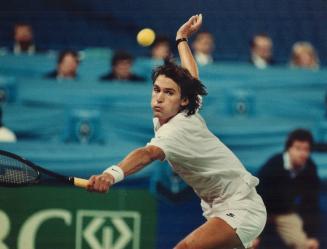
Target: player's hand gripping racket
[(16, 171)]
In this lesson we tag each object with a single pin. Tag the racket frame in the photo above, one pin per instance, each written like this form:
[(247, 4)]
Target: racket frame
[(38, 170)]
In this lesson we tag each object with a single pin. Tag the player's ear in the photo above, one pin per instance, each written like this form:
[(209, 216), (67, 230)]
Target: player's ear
[(185, 102)]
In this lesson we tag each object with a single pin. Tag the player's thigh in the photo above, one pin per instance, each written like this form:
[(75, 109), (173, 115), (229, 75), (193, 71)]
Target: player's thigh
[(214, 234)]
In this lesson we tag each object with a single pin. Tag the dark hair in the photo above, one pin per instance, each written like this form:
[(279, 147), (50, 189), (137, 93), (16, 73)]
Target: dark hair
[(121, 56), (23, 24), (63, 54), (302, 135), (191, 88), (204, 32), (160, 40)]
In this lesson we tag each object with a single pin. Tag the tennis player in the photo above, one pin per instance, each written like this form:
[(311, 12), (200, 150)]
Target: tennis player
[(235, 213)]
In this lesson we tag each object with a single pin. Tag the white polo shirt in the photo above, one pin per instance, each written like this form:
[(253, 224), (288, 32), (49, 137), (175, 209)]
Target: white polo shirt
[(202, 160)]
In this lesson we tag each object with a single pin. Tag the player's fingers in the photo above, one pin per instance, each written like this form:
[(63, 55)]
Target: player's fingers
[(101, 184), (97, 183), (200, 18), (194, 19), (197, 17), (91, 183), (191, 20), (104, 188)]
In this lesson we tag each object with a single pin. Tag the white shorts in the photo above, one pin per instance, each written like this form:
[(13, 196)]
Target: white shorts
[(247, 216)]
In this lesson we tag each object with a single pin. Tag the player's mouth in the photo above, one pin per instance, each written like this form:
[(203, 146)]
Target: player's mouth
[(157, 108)]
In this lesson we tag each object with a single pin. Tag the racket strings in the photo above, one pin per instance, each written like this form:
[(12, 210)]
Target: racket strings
[(13, 171)]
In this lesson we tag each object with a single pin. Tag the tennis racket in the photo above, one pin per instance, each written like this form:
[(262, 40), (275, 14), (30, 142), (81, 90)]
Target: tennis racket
[(16, 171)]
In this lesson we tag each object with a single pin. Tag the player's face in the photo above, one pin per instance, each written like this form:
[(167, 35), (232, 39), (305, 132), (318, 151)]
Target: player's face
[(299, 153), (166, 99)]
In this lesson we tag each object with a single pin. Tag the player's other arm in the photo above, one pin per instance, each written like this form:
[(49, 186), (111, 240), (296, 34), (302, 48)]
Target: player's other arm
[(133, 162), (185, 53)]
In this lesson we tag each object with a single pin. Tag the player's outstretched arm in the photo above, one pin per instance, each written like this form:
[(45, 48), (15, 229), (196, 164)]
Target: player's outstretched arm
[(185, 53), (133, 162)]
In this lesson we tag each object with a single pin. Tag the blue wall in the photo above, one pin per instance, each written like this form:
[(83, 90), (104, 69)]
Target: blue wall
[(114, 23)]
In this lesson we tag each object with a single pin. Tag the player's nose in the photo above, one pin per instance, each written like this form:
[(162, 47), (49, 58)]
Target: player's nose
[(160, 98)]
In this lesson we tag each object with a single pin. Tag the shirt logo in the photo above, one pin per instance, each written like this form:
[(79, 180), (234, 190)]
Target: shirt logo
[(231, 215)]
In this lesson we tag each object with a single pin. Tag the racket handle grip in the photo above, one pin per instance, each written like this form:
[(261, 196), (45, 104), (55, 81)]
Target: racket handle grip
[(80, 182)]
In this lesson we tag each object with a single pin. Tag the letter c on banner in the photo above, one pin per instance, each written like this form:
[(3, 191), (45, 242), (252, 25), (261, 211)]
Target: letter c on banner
[(27, 234), (5, 228)]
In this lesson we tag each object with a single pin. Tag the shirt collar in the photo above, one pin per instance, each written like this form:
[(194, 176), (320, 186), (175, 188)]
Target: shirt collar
[(287, 161), (203, 59), (156, 123), (259, 62), (289, 167), (18, 50)]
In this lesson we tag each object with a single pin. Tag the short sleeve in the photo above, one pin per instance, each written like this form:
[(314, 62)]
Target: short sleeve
[(172, 142), (162, 144)]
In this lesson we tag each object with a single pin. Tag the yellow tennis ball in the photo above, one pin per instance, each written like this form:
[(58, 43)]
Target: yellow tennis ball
[(145, 37)]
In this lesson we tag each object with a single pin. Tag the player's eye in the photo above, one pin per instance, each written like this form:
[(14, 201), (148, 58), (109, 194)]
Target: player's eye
[(156, 89)]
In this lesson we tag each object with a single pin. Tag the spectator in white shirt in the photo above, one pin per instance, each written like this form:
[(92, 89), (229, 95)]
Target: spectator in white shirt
[(261, 48), (203, 47)]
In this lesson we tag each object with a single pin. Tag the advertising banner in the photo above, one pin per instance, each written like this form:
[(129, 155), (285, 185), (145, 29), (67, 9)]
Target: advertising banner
[(65, 218)]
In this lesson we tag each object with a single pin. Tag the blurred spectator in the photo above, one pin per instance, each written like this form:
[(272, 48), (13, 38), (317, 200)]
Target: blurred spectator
[(121, 68), (161, 49), (67, 65), (203, 46), (304, 55), (23, 39), (261, 48), (6, 135), (289, 186)]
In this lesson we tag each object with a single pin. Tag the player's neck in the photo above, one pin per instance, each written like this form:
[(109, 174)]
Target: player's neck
[(164, 121)]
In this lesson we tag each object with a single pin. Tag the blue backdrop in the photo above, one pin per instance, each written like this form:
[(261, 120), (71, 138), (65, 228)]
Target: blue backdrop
[(82, 23)]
